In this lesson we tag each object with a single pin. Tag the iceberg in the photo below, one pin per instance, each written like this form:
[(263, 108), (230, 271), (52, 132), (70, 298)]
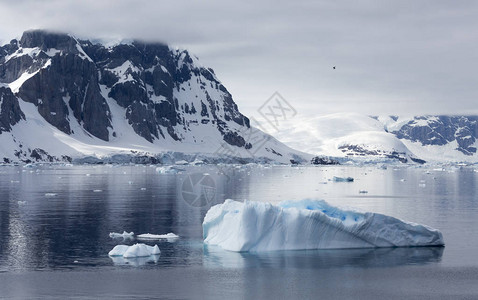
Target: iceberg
[(308, 224), (137, 250)]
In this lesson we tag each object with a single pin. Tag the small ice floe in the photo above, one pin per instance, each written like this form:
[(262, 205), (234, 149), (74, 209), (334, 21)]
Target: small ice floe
[(88, 175), (197, 163), (14, 181), (97, 191), (181, 163), (130, 182), (124, 235), (137, 250), (148, 236), (50, 195), (143, 189), (343, 179), (21, 203), (422, 185), (402, 180), (363, 192)]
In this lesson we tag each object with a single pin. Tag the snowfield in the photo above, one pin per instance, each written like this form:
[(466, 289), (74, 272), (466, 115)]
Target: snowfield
[(364, 138)]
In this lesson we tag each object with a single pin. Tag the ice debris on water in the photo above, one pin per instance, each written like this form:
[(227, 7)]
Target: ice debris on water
[(308, 224), (50, 195)]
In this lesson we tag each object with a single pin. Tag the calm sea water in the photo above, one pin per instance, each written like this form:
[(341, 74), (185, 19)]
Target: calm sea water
[(55, 223)]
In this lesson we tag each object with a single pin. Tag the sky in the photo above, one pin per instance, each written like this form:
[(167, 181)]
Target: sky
[(391, 57)]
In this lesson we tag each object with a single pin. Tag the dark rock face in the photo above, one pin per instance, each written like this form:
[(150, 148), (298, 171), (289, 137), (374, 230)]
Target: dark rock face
[(323, 160), (441, 130), (163, 91), (356, 150), (10, 112)]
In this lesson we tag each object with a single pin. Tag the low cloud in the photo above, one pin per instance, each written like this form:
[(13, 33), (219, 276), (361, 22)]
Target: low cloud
[(403, 57)]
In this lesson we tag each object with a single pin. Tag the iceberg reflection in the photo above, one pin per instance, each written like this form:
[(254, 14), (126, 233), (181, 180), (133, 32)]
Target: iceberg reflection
[(214, 257)]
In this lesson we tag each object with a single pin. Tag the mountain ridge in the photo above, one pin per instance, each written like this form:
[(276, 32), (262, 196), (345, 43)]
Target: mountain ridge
[(72, 98)]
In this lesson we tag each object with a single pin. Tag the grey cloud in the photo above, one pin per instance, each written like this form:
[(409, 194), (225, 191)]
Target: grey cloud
[(392, 56)]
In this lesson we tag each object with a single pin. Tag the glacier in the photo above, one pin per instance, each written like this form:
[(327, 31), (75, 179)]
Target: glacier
[(308, 224)]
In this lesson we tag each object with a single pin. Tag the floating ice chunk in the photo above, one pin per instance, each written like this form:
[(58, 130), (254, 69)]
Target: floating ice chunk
[(21, 202), (50, 195), (143, 189), (308, 224), (181, 162), (137, 250), (197, 162), (97, 191), (148, 236), (124, 235), (141, 250), (343, 179)]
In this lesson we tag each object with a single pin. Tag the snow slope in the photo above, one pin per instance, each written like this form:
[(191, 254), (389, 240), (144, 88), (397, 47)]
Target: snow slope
[(365, 138), (343, 135)]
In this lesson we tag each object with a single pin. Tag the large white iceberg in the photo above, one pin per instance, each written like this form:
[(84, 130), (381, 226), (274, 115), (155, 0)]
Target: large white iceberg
[(308, 224)]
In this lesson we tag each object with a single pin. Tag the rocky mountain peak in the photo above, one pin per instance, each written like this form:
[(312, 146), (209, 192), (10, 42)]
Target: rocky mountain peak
[(45, 40), (118, 93)]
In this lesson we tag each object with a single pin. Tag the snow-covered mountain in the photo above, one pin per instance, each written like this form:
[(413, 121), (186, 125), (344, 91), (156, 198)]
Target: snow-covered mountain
[(62, 98), (406, 139)]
